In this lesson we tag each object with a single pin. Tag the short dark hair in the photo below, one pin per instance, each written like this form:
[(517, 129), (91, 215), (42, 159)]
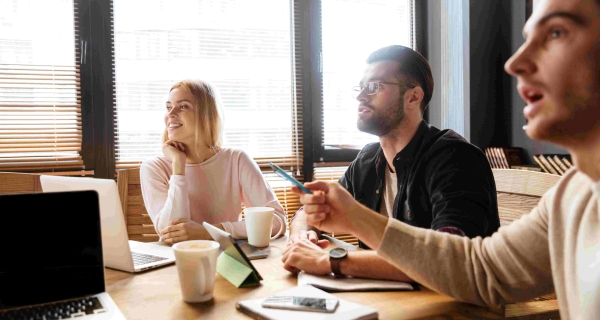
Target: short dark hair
[(412, 65)]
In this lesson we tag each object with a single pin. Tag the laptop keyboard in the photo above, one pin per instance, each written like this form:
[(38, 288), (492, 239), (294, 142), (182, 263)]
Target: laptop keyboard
[(60, 310), (144, 258)]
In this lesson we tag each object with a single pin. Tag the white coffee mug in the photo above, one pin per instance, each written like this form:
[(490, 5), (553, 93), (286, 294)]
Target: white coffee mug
[(196, 266), (259, 222)]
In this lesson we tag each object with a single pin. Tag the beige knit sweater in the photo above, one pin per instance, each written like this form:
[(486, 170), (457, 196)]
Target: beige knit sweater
[(556, 247)]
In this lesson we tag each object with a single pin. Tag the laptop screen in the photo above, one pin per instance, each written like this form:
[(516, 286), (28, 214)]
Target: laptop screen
[(50, 247)]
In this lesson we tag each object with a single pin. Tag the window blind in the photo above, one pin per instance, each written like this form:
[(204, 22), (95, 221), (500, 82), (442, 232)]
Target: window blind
[(249, 50), (40, 108), (333, 172), (351, 30), (244, 48), (291, 164)]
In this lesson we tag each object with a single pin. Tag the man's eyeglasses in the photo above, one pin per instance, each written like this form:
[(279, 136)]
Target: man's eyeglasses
[(372, 88)]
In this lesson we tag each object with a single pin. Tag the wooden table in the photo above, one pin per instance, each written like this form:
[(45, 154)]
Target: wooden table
[(155, 294)]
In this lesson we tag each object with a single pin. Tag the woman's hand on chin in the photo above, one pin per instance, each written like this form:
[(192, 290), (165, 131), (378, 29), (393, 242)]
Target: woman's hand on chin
[(175, 151), (182, 230)]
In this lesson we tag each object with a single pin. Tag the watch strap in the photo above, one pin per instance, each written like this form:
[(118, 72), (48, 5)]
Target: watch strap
[(335, 266)]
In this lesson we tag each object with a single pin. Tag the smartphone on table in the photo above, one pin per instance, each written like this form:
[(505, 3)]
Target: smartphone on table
[(289, 178), (301, 303)]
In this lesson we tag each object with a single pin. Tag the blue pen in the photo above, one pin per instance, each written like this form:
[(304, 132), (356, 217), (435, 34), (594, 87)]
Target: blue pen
[(289, 178)]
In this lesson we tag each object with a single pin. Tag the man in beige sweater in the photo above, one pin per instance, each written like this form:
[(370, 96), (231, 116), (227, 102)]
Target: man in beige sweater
[(554, 248)]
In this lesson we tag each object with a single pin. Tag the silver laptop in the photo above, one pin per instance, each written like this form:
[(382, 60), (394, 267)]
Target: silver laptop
[(53, 268), (119, 252)]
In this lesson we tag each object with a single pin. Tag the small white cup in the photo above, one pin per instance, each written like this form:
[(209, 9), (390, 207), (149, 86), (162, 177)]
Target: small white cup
[(196, 266), (259, 221)]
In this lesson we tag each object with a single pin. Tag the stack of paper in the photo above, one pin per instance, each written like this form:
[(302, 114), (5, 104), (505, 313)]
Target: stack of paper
[(333, 283)]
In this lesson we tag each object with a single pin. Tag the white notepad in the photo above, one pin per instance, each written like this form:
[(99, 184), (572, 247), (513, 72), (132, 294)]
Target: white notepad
[(345, 310), (333, 283)]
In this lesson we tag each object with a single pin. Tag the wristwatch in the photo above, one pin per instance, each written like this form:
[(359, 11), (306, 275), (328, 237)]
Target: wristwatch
[(336, 255)]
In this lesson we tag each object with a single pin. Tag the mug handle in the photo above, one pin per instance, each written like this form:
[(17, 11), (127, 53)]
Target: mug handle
[(202, 273), (280, 226)]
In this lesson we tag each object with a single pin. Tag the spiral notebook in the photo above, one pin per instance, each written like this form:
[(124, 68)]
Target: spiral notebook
[(345, 310)]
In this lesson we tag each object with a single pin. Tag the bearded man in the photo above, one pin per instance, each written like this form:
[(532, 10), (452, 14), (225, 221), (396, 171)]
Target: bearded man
[(416, 173)]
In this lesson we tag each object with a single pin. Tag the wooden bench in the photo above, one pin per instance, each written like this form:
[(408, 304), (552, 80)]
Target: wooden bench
[(15, 183)]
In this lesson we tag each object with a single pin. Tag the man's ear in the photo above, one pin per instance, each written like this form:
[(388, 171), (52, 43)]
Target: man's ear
[(414, 97)]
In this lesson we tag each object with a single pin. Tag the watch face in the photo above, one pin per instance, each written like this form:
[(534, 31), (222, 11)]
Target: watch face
[(338, 253)]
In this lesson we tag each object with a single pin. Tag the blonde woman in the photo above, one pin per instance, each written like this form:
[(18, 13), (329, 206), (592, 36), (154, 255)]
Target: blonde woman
[(197, 179)]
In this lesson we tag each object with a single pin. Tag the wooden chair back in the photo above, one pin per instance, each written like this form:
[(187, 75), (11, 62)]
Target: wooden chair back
[(14, 183), (138, 222), (519, 191)]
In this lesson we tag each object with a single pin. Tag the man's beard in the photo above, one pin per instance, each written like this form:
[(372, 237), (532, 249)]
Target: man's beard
[(380, 124)]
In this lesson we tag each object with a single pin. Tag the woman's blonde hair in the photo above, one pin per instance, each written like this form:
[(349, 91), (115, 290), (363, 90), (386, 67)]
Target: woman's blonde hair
[(209, 115)]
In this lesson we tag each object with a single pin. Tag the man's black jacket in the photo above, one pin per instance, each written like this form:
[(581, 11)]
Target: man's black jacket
[(443, 181)]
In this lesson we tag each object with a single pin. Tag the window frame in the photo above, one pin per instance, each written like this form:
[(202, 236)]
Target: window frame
[(98, 97), (97, 94)]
